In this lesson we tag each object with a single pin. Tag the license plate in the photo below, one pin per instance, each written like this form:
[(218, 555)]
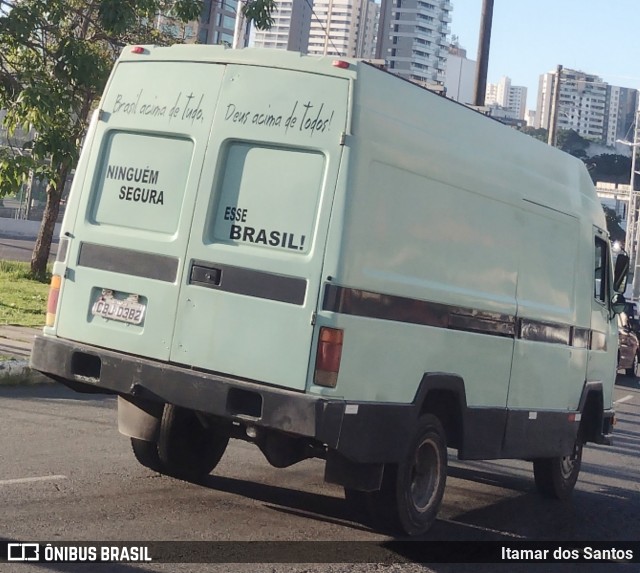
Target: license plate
[(127, 309)]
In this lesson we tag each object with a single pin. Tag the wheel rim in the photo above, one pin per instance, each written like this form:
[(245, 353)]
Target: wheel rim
[(424, 475), (568, 463)]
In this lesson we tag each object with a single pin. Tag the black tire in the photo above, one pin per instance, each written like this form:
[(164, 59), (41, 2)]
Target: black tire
[(147, 454), (412, 490), (633, 369), (557, 477), (186, 448)]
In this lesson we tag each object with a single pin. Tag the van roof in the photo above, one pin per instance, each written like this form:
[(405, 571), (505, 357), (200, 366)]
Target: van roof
[(249, 56)]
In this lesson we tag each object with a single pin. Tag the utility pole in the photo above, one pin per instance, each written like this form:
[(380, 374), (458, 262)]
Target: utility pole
[(484, 43), (553, 120), (632, 227)]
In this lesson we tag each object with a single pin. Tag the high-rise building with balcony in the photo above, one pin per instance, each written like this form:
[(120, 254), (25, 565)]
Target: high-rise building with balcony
[(344, 28), (581, 103), (290, 31), (412, 38), (588, 105)]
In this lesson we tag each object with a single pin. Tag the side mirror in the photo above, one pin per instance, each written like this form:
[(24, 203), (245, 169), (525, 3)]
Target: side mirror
[(618, 303), (621, 272)]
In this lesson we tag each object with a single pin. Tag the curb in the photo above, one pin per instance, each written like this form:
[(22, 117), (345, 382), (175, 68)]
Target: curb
[(17, 373)]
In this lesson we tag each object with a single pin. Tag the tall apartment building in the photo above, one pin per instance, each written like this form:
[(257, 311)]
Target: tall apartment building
[(513, 99), (323, 27), (334, 28), (581, 105), (368, 30), (588, 105), (291, 28), (412, 38), (622, 104), (215, 25)]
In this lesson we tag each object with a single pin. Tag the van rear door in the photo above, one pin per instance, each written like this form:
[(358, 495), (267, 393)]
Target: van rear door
[(253, 264), (128, 221)]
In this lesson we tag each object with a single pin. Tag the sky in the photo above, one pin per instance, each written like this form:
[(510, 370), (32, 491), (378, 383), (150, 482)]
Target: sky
[(531, 37)]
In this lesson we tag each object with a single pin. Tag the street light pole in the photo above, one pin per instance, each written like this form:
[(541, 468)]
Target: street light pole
[(633, 226)]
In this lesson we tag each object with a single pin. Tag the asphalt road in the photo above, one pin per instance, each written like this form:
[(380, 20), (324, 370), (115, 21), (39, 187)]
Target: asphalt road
[(15, 249), (67, 474)]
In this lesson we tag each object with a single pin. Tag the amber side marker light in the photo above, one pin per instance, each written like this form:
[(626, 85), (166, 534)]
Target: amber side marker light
[(52, 301), (328, 356)]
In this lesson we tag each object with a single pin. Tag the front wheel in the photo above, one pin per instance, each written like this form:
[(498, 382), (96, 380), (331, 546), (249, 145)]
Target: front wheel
[(556, 477), (412, 490)]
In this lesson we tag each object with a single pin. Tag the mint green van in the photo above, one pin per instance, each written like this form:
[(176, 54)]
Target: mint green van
[(328, 261)]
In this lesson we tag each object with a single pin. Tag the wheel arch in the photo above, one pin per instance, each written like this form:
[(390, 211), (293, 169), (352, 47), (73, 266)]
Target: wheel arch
[(444, 396), (592, 411)]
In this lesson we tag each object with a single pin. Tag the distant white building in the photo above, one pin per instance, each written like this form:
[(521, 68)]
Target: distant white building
[(460, 77), (530, 117), (510, 98)]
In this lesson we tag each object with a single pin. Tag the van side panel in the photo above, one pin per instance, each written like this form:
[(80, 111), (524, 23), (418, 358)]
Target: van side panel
[(408, 252), (549, 358)]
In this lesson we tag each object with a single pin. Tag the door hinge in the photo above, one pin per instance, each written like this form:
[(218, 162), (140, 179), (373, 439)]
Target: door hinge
[(313, 319), (343, 138)]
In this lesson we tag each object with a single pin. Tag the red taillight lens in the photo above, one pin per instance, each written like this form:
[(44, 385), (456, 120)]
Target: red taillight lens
[(52, 301), (328, 356)]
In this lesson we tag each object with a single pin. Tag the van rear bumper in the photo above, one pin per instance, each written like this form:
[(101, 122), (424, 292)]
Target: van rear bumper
[(364, 433)]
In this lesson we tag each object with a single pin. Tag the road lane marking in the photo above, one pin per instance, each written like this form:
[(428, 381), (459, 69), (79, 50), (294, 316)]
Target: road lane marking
[(488, 529), (32, 479), (624, 399)]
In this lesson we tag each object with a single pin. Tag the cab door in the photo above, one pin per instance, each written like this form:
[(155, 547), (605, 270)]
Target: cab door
[(602, 352)]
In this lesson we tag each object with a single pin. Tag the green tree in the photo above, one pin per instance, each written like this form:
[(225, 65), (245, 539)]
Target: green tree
[(538, 133), (572, 142), (55, 58), (610, 167)]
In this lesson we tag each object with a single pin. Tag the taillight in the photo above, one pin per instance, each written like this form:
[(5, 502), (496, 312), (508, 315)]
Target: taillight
[(52, 302), (328, 356)]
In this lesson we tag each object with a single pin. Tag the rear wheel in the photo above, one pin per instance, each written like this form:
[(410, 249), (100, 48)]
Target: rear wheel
[(412, 490), (147, 454), (186, 448), (556, 477)]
